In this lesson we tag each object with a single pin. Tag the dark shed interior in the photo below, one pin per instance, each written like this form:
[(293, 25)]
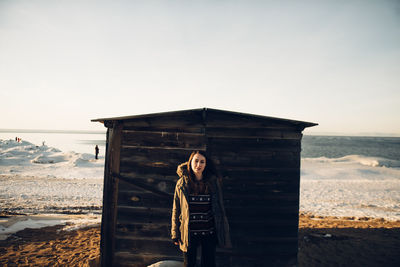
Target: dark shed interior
[(259, 161)]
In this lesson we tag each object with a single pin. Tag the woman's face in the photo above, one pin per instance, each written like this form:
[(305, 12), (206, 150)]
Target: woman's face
[(198, 164)]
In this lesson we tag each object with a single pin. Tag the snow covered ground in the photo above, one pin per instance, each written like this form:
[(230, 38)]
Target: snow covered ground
[(26, 159), (353, 186), (19, 222), (48, 186)]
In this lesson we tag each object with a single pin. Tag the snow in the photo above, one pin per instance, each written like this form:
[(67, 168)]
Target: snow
[(31, 195), (44, 180), (353, 185), (24, 158), (16, 223), (358, 160), (8, 227), (167, 264)]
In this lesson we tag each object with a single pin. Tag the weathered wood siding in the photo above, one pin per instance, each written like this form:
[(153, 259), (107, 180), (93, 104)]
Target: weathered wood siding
[(260, 165), (110, 193), (149, 158), (259, 160)]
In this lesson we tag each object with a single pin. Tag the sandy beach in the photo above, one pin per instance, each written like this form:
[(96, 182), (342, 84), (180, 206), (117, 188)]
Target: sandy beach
[(323, 241), (51, 246), (348, 241)]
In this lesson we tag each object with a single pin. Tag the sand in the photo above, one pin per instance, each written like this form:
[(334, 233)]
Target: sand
[(348, 241), (323, 241), (50, 246)]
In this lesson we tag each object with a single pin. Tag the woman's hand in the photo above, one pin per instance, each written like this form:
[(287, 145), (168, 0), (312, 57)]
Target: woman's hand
[(176, 241)]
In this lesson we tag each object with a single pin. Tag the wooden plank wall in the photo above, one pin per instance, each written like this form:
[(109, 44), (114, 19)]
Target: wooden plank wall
[(147, 181), (110, 191), (261, 172)]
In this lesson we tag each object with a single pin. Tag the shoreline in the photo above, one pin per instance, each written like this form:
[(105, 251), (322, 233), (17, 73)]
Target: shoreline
[(310, 220), (323, 241), (12, 223)]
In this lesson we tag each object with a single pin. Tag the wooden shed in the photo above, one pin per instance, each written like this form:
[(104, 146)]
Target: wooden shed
[(259, 161)]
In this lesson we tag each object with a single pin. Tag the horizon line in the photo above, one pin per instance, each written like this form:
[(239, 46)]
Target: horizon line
[(51, 131), (360, 134)]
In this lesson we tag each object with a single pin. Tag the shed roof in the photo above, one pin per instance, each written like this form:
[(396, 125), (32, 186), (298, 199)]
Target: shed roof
[(209, 114)]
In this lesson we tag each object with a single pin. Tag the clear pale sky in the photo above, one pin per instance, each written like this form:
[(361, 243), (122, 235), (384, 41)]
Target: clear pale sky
[(336, 63)]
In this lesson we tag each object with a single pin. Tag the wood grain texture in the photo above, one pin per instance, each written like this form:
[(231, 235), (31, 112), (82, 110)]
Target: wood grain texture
[(144, 230), (258, 159), (251, 133), (180, 120), (144, 215), (110, 195), (146, 246), (220, 145), (164, 139)]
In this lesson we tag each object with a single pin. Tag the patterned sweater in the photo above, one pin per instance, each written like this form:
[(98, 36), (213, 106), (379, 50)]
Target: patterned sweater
[(201, 219)]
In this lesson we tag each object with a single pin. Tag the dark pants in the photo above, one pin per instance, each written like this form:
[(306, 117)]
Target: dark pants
[(208, 244)]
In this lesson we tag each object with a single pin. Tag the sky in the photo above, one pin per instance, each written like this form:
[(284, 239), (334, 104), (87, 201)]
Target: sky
[(335, 63)]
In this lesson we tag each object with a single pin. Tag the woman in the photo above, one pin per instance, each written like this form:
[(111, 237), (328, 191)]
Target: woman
[(198, 215)]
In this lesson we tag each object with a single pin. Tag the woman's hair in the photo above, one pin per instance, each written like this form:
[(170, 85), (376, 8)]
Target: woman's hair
[(203, 186)]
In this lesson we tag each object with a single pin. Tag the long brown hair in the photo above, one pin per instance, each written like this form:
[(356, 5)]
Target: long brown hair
[(203, 186)]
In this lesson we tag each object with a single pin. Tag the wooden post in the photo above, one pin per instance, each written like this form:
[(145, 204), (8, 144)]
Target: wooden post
[(110, 195)]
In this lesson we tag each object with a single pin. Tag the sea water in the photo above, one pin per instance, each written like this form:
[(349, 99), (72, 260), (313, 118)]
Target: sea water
[(341, 146), (340, 175)]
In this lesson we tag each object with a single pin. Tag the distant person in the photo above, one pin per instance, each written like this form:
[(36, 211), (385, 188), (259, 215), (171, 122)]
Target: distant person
[(16, 139), (43, 143), (96, 150)]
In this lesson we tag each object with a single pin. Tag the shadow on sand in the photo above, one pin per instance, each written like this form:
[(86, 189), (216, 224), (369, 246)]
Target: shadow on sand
[(349, 247)]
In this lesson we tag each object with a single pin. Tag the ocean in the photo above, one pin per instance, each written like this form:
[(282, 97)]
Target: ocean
[(340, 146), (340, 175)]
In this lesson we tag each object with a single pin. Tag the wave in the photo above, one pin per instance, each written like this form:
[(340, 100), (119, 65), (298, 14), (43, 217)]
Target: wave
[(358, 159)]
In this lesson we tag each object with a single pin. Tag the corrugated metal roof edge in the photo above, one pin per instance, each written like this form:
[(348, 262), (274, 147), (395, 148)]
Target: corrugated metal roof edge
[(303, 123)]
